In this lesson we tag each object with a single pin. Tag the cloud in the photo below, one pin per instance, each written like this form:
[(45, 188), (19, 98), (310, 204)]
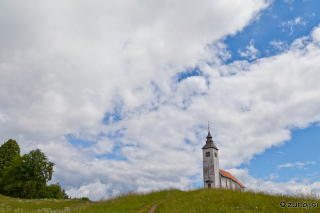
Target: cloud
[(71, 67), (292, 23), (274, 176), (66, 68), (297, 164), (94, 190), (280, 45), (251, 52), (254, 109), (291, 188)]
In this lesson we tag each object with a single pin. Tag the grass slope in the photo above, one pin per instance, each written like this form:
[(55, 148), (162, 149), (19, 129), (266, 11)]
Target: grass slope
[(201, 200), (16, 205), (171, 200)]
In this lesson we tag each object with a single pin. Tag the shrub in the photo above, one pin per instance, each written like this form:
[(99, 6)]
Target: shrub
[(85, 198)]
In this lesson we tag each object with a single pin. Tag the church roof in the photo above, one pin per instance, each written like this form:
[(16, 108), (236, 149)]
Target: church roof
[(230, 176), (209, 144)]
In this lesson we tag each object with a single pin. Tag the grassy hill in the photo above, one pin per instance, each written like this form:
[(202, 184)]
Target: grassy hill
[(16, 205), (171, 200)]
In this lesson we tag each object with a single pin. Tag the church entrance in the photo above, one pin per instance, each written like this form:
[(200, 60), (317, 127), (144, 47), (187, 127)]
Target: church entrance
[(209, 185)]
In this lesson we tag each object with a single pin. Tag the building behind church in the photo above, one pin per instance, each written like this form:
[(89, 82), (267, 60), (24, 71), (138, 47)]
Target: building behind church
[(213, 176)]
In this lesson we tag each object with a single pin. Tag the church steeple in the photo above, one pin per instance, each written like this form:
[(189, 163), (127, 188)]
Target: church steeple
[(209, 143), (211, 178), (209, 137)]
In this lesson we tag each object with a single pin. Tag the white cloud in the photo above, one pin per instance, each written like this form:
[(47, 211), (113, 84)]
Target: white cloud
[(292, 23), (280, 45), (291, 188), (297, 164), (251, 52), (65, 65), (316, 35), (94, 190), (72, 66), (274, 176)]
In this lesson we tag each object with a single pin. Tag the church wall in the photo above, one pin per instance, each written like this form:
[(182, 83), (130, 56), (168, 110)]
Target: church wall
[(238, 187), (211, 168), (217, 167), (208, 168), (229, 183), (233, 185), (225, 182)]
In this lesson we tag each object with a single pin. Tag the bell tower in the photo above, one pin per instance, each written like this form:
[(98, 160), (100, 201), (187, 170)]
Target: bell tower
[(211, 170)]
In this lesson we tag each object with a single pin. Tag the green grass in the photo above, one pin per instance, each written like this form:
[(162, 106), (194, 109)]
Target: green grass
[(130, 202), (16, 205), (170, 200), (218, 200)]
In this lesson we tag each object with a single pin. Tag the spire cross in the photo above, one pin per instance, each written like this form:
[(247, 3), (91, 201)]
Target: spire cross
[(208, 127)]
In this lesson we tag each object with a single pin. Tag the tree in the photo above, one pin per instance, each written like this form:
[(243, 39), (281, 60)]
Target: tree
[(8, 152), (27, 176), (52, 191), (64, 194)]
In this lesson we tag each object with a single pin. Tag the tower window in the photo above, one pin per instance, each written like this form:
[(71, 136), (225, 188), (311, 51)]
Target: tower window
[(215, 154), (207, 154)]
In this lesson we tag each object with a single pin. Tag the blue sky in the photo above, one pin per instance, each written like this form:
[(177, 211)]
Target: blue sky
[(297, 159), (118, 94), (280, 23), (283, 21)]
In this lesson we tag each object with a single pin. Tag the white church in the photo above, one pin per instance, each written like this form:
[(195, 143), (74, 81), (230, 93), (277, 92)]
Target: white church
[(213, 176)]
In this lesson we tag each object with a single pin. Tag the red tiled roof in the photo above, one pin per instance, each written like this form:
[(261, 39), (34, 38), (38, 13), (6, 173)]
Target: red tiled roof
[(230, 176)]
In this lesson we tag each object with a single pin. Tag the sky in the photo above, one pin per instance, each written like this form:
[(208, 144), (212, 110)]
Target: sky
[(118, 94)]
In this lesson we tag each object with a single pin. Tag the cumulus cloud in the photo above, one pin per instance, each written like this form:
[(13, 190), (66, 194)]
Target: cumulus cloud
[(95, 190), (107, 73), (251, 52), (292, 188)]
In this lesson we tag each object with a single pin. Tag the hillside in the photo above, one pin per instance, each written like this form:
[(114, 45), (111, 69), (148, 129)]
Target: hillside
[(8, 204), (171, 200)]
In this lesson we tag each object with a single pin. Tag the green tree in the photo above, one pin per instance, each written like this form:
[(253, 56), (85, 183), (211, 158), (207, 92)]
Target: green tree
[(54, 191), (64, 194), (8, 152), (27, 176)]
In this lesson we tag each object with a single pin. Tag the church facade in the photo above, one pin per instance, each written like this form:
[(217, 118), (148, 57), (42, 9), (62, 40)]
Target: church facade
[(213, 176)]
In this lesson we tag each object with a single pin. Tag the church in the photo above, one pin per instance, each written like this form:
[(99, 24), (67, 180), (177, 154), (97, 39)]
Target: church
[(213, 176)]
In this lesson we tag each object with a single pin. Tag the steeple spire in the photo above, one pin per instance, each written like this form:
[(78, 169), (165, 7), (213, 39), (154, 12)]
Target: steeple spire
[(209, 137), (209, 142)]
